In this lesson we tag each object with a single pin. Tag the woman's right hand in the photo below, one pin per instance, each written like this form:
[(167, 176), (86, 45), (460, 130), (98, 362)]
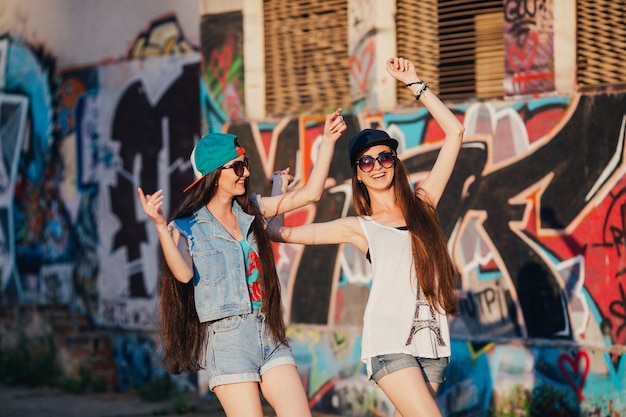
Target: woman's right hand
[(334, 125), (174, 245), (151, 204)]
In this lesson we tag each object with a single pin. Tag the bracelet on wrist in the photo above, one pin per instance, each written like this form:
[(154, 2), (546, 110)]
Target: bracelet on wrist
[(418, 93), (413, 83)]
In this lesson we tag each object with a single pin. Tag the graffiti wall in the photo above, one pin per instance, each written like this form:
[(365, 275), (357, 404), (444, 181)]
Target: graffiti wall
[(534, 215), (76, 144), (535, 225)]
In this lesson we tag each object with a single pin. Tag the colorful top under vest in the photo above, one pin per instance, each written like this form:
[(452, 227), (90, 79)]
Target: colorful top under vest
[(252, 273)]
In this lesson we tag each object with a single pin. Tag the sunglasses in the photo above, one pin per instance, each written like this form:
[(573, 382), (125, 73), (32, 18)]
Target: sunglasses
[(385, 159), (239, 166)]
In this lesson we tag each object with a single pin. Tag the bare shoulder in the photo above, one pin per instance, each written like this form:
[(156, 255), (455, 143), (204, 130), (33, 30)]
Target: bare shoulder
[(352, 224)]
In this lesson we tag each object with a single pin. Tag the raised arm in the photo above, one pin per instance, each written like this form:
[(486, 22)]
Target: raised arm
[(343, 230), (334, 127), (173, 244), (434, 184)]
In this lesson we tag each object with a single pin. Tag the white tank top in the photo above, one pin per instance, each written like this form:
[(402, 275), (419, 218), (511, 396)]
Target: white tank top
[(391, 306)]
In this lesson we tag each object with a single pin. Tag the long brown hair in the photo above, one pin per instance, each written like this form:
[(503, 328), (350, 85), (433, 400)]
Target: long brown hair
[(183, 337), (436, 274)]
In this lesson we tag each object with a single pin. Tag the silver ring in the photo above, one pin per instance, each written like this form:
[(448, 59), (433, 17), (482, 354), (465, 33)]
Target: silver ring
[(149, 204)]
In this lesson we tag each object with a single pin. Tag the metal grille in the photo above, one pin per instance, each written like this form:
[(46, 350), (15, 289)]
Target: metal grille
[(306, 50), (601, 42)]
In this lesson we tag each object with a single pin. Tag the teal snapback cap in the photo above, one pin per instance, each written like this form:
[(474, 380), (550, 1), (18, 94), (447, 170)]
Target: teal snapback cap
[(212, 152)]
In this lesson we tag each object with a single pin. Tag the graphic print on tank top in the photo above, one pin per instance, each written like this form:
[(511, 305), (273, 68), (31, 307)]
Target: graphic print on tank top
[(424, 323), (252, 273)]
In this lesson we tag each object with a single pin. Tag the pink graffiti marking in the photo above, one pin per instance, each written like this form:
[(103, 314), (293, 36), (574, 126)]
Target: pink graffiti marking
[(232, 103), (360, 66), (525, 56), (521, 60), (221, 60), (570, 367)]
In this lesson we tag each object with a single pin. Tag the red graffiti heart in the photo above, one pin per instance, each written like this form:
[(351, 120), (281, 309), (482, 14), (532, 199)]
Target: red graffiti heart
[(360, 66), (221, 60), (570, 367), (522, 59)]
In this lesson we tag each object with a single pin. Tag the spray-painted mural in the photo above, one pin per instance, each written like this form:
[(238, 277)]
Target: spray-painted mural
[(36, 248), (76, 144), (534, 214), (222, 51), (529, 46)]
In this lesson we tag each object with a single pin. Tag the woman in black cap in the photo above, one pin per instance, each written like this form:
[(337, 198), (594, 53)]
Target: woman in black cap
[(406, 340), (221, 307)]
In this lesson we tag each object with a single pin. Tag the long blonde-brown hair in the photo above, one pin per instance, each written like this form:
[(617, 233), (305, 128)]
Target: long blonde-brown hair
[(436, 274), (183, 337)]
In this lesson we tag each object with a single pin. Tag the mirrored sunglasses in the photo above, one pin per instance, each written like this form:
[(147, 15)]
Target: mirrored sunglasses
[(385, 159), (238, 166)]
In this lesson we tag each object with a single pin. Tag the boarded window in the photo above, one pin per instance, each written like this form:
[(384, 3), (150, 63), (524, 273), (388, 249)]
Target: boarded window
[(306, 50), (601, 42), (457, 46)]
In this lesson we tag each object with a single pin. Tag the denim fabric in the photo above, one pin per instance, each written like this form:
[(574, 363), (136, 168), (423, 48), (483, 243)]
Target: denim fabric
[(434, 370), (220, 287), (241, 349)]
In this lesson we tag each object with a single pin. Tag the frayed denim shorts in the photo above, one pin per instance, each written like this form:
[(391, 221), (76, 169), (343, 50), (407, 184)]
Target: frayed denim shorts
[(434, 370), (241, 348)]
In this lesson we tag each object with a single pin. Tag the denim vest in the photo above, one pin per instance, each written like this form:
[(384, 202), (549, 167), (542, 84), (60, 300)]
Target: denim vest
[(219, 272)]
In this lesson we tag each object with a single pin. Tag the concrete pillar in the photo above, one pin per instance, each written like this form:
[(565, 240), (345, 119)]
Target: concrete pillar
[(254, 58), (371, 40), (565, 46)]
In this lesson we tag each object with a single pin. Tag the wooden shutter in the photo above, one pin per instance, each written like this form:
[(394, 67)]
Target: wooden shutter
[(458, 44), (417, 39), (306, 56)]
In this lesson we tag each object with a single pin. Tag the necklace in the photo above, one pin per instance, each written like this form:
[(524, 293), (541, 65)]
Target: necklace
[(235, 231), (232, 230)]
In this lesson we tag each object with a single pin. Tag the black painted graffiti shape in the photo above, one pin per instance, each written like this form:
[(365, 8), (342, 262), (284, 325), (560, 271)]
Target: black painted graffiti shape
[(521, 14), (138, 126), (577, 156), (312, 290)]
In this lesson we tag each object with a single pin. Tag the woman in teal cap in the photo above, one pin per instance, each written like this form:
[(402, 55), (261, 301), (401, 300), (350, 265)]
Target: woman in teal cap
[(406, 341), (221, 308)]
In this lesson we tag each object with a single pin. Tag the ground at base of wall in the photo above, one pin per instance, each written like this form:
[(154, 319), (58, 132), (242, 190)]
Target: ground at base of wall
[(33, 402), (46, 402)]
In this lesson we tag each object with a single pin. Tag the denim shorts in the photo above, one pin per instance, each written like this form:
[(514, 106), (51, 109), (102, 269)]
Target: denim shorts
[(434, 370), (241, 349)]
